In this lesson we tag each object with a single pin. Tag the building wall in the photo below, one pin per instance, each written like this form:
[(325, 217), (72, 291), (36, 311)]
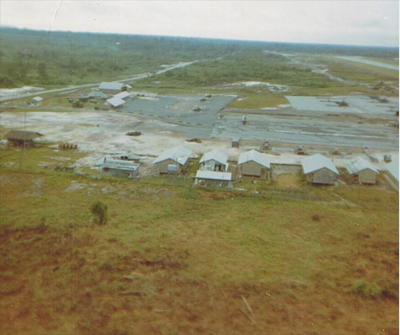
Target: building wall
[(217, 166), (163, 166), (367, 176), (254, 169), (119, 173), (323, 176), (105, 91)]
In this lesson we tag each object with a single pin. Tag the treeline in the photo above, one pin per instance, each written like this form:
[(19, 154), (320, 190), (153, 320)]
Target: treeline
[(246, 65), (29, 57), (62, 58)]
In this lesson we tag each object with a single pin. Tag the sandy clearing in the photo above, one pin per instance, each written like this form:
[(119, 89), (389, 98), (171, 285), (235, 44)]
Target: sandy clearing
[(100, 133)]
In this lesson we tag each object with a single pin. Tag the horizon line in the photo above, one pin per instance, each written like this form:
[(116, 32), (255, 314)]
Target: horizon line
[(197, 37)]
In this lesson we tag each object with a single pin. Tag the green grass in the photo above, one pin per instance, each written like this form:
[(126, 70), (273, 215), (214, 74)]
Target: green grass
[(191, 245)]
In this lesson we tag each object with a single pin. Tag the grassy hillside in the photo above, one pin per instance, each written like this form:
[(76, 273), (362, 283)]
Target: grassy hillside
[(173, 259)]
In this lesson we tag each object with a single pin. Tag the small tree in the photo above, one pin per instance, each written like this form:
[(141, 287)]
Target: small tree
[(100, 211)]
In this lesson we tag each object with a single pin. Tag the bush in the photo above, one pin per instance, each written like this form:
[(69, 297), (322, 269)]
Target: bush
[(366, 289), (100, 211)]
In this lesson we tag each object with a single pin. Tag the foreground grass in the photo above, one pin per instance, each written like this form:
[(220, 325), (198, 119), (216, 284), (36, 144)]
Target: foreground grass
[(176, 259)]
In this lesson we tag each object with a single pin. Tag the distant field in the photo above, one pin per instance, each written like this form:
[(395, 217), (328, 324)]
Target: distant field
[(360, 69), (173, 259)]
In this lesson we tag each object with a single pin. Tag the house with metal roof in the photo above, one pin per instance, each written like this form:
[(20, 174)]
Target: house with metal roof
[(361, 171), (37, 100), (212, 178), (174, 161), (253, 163), (114, 166), (115, 102), (22, 137), (113, 87), (96, 95), (393, 171), (214, 161), (123, 95), (319, 169)]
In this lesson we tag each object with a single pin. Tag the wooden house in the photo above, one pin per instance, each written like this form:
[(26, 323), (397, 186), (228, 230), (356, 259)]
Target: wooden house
[(114, 103), (116, 166), (361, 171), (214, 161), (319, 169), (393, 172), (173, 161), (113, 87), (253, 163), (22, 137)]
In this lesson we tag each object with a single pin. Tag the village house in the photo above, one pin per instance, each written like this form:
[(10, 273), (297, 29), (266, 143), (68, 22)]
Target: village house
[(113, 87), (214, 161), (173, 161), (393, 172), (123, 95), (253, 163), (113, 103), (37, 100), (22, 137), (96, 95), (120, 166), (319, 169), (361, 171), (212, 178)]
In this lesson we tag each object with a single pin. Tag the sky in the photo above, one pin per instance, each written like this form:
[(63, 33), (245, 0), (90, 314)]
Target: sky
[(328, 22)]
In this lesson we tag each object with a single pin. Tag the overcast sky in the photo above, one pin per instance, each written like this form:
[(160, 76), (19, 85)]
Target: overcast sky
[(333, 22)]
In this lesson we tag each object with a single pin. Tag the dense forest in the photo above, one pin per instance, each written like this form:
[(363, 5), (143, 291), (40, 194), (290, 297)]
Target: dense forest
[(29, 57)]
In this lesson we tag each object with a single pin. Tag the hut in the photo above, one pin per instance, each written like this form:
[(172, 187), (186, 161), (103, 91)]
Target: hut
[(319, 169), (236, 142), (22, 137), (113, 166), (113, 87), (123, 95), (115, 102), (96, 95), (214, 161), (253, 163), (393, 171), (212, 178), (174, 160), (37, 100), (361, 171)]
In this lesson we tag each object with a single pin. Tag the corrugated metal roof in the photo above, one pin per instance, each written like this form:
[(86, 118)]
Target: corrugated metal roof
[(120, 164), (393, 168), (97, 94), (317, 162), (254, 156), (115, 102), (122, 95), (212, 175), (179, 155), (358, 164), (216, 155), (111, 86)]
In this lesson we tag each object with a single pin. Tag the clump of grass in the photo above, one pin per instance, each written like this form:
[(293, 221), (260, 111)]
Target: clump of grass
[(100, 212), (366, 289)]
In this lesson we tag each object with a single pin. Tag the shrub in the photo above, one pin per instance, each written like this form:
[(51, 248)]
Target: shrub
[(100, 212), (366, 289)]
